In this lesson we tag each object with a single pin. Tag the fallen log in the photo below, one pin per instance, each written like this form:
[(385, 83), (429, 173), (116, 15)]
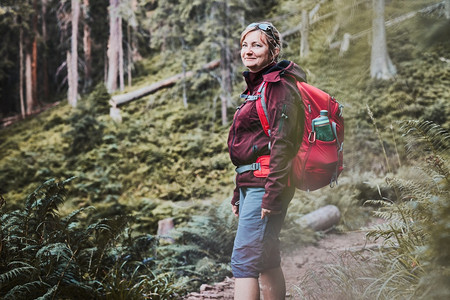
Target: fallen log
[(389, 23), (321, 219), (127, 97), (314, 19), (4, 122)]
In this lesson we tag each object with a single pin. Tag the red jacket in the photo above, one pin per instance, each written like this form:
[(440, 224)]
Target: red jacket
[(247, 140)]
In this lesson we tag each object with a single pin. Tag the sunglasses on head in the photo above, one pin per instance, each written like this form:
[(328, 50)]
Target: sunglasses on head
[(264, 27)]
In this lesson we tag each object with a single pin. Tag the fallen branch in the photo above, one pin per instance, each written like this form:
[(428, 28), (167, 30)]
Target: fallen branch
[(313, 20), (127, 97), (389, 23), (11, 120)]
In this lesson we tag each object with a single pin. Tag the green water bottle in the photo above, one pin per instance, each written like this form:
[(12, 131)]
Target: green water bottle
[(322, 127)]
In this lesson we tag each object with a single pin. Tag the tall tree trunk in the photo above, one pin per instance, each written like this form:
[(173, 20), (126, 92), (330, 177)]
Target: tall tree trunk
[(87, 47), (45, 52), (304, 45), (121, 62), (133, 51), (22, 100), (70, 94), (34, 56), (381, 66), (73, 57), (113, 46), (225, 65), (129, 56), (447, 9), (29, 83)]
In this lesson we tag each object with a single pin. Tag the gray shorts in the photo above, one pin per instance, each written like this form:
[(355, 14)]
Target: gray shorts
[(256, 246)]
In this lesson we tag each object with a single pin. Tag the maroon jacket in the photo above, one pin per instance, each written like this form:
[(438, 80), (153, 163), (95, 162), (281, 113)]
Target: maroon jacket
[(247, 140)]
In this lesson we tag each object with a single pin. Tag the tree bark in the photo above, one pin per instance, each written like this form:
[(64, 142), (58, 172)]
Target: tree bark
[(34, 56), (129, 56), (22, 100), (225, 65), (29, 83), (304, 45), (381, 66), (73, 57), (447, 9), (121, 62), (69, 76), (45, 83), (113, 46), (87, 47)]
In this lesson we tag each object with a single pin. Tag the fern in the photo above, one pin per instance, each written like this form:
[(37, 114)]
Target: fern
[(23, 269), (424, 137), (52, 257), (28, 290), (49, 294), (417, 221)]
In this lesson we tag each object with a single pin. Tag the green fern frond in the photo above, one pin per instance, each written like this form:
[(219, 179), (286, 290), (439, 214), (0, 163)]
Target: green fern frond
[(425, 137), (54, 253), (387, 215), (50, 294), (66, 221), (385, 230), (107, 230), (411, 189), (27, 290), (22, 269), (381, 203)]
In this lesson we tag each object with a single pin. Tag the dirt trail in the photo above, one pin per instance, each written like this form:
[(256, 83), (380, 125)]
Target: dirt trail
[(298, 264)]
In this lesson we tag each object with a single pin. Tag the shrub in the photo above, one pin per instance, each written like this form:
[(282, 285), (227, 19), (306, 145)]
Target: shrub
[(49, 256)]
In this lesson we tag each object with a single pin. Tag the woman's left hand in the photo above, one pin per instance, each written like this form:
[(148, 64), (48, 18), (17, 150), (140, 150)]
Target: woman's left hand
[(268, 212)]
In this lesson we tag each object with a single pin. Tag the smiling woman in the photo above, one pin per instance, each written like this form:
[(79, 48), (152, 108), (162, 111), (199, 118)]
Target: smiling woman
[(263, 162)]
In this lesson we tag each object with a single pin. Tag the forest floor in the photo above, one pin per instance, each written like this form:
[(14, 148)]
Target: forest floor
[(304, 268)]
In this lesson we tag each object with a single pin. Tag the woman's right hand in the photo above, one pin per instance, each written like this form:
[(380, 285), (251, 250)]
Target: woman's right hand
[(235, 209)]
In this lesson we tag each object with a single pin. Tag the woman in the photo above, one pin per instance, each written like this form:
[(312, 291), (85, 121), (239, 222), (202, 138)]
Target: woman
[(261, 202)]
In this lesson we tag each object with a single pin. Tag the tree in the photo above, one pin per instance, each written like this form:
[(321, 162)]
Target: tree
[(381, 66), (34, 51), (46, 91), (304, 45), (447, 9), (21, 98), (114, 45), (87, 46), (30, 100), (72, 56), (225, 59)]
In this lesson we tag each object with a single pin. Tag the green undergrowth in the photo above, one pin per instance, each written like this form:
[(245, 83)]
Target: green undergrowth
[(164, 160)]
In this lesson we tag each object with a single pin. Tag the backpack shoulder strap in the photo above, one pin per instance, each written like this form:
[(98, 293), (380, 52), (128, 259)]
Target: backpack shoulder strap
[(261, 108)]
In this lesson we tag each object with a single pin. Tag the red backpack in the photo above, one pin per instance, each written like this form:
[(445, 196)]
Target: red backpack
[(317, 163)]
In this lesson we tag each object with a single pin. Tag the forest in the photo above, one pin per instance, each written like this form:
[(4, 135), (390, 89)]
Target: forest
[(114, 116)]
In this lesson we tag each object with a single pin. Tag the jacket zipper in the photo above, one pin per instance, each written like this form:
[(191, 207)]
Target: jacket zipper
[(234, 127)]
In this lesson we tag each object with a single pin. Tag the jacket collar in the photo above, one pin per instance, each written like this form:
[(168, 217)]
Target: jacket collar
[(273, 73)]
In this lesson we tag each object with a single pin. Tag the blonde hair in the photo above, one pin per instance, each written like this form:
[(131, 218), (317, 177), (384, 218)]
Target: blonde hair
[(272, 35)]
